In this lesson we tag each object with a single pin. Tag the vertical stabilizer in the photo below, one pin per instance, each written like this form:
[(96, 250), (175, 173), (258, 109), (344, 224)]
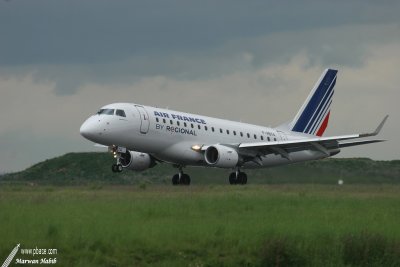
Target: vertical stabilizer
[(313, 116)]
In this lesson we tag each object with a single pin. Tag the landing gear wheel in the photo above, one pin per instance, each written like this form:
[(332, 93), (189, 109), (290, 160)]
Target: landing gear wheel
[(238, 178), (175, 179), (185, 179), (232, 178), (119, 168), (242, 178), (114, 168)]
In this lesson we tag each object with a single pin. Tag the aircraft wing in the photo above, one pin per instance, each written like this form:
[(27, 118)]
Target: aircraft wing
[(323, 144)]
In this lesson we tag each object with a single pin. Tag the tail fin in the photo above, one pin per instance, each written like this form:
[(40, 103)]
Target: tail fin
[(313, 116)]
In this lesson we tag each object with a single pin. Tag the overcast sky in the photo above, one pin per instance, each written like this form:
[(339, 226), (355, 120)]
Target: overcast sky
[(254, 61)]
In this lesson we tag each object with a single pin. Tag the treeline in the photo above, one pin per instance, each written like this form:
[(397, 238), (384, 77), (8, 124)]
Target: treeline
[(89, 168)]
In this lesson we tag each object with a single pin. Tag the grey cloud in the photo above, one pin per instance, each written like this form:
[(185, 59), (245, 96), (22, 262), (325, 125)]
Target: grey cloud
[(334, 47), (71, 43), (54, 32)]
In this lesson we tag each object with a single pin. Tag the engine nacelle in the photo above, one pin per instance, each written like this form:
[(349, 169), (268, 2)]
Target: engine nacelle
[(221, 156), (136, 161)]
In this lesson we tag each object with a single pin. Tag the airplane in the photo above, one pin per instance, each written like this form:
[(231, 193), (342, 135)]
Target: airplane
[(141, 136)]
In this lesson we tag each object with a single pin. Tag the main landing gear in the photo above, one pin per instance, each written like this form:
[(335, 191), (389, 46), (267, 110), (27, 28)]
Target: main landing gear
[(181, 178), (238, 177)]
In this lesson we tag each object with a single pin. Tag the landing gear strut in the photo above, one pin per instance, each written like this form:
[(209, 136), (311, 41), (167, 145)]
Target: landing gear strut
[(181, 178), (238, 177)]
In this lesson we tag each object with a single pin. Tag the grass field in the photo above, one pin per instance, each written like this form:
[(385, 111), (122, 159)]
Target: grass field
[(253, 225)]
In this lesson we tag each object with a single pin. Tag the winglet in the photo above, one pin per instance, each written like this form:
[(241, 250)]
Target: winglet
[(377, 130)]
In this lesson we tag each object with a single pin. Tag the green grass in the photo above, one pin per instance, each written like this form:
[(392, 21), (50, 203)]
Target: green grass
[(278, 225)]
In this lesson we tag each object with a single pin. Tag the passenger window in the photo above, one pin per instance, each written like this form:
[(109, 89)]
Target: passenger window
[(268, 139), (227, 131), (241, 134), (262, 138), (212, 129), (274, 139), (184, 124), (170, 121), (163, 120), (198, 126), (220, 130), (177, 123), (234, 132), (205, 128), (157, 120), (120, 113), (248, 135), (192, 125), (255, 136)]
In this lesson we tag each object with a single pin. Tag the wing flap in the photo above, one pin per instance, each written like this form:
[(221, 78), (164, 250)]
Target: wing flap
[(301, 142), (357, 143)]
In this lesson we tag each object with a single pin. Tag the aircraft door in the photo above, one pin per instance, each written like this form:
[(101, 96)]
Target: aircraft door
[(144, 119)]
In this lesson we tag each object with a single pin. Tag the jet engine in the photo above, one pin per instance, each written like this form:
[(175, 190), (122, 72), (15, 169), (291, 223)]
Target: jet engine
[(221, 156), (136, 161)]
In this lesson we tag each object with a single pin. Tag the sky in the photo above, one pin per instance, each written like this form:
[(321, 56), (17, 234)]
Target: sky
[(253, 61)]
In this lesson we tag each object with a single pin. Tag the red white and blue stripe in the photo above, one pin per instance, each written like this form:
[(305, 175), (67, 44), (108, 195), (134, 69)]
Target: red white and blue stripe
[(313, 117)]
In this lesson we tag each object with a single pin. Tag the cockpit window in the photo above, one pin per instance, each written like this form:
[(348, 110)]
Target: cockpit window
[(106, 111), (120, 112)]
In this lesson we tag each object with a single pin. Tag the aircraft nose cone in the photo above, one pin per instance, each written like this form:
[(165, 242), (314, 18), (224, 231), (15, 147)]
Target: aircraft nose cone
[(87, 130)]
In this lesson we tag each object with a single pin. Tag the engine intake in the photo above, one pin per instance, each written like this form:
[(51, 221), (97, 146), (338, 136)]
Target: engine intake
[(221, 156), (136, 161)]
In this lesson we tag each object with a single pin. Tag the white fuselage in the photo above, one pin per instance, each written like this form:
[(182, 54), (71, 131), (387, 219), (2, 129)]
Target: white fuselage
[(170, 135)]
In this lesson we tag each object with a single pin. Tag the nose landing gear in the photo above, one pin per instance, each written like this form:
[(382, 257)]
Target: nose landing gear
[(116, 168), (116, 151)]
